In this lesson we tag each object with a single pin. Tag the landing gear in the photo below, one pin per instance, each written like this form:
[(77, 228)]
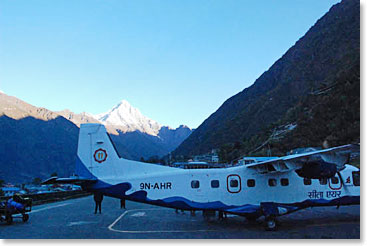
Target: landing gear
[(270, 210), (271, 223)]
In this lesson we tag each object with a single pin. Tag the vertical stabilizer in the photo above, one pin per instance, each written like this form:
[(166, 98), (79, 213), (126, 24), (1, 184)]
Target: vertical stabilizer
[(97, 156)]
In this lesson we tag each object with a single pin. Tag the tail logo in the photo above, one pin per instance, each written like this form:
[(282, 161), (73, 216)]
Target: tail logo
[(100, 155)]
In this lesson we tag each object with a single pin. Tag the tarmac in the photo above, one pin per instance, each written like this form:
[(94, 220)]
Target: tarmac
[(75, 219)]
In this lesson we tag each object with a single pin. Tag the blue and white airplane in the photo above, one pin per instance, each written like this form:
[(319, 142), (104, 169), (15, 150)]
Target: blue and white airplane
[(271, 187)]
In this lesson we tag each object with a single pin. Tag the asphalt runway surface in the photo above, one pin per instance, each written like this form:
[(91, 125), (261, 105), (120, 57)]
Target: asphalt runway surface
[(75, 219)]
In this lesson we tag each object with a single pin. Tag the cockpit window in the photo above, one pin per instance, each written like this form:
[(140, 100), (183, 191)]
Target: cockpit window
[(356, 178), (334, 180)]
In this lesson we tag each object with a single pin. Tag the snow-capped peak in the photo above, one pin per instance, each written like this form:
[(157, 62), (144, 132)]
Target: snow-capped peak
[(127, 118)]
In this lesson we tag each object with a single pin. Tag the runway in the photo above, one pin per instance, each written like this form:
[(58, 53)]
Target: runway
[(75, 219)]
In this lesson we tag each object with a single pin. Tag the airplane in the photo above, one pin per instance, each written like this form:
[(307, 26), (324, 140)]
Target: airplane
[(268, 187)]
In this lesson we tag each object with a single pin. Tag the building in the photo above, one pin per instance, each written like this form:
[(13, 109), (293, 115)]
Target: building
[(197, 165), (9, 191), (211, 157)]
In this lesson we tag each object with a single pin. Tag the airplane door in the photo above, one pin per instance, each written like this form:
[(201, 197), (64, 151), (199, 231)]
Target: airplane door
[(233, 183), (196, 189)]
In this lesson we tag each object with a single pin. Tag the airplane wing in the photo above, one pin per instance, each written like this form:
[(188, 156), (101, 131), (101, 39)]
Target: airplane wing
[(336, 155), (72, 180)]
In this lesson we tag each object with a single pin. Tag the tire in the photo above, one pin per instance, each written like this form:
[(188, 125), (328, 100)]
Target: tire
[(25, 217), (271, 224)]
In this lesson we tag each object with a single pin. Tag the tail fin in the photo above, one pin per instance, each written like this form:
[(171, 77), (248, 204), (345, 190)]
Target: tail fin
[(97, 155)]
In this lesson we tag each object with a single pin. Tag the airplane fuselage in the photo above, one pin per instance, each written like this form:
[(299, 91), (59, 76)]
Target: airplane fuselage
[(237, 190), (268, 187)]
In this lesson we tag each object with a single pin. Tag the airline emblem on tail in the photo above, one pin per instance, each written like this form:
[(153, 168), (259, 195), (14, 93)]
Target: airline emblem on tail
[(100, 155)]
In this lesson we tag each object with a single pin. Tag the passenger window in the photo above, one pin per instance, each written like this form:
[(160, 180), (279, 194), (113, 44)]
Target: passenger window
[(272, 182), (251, 182), (334, 180), (356, 178), (195, 184), (307, 181), (323, 181), (284, 182), (233, 183), (215, 183)]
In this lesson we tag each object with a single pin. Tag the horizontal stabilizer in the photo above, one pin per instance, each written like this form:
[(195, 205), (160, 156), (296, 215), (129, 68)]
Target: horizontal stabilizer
[(72, 180)]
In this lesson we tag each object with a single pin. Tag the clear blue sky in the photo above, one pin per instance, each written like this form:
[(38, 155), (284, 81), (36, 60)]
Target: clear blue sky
[(177, 61)]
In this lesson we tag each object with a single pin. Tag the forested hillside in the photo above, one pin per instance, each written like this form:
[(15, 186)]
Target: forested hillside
[(309, 97)]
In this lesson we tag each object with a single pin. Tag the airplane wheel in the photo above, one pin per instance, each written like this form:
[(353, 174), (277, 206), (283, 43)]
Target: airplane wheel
[(25, 217), (271, 224)]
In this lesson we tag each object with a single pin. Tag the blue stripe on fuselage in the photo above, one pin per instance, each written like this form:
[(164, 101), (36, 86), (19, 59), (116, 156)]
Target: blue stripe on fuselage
[(119, 191)]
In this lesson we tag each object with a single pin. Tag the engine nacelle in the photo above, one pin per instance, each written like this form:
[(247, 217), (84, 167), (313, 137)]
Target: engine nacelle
[(317, 170)]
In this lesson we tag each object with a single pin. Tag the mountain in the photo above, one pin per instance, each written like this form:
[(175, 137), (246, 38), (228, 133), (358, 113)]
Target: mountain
[(18, 109), (36, 142), (77, 119), (174, 137), (139, 135), (126, 118), (313, 87)]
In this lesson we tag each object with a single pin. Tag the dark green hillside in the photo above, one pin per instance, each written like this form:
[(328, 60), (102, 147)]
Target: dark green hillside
[(32, 148), (327, 117), (314, 85), (36, 142)]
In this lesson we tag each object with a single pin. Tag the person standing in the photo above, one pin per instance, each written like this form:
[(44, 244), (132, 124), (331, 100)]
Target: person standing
[(220, 215), (122, 203), (98, 198)]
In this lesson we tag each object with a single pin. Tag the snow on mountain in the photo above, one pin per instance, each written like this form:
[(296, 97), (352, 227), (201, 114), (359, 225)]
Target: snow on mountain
[(139, 136), (128, 119)]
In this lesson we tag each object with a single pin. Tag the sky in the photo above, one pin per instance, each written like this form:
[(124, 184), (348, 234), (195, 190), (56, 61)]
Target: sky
[(176, 61)]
